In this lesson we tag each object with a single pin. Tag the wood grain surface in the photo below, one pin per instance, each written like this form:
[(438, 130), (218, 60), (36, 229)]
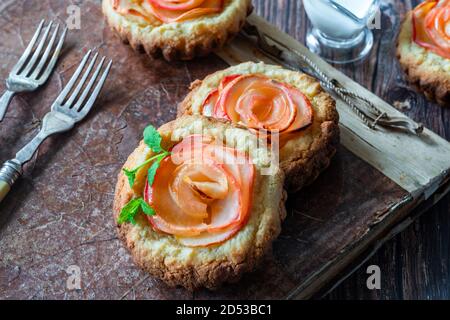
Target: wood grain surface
[(48, 224), (416, 263)]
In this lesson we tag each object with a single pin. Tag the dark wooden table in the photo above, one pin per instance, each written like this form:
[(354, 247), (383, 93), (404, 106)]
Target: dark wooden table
[(416, 263)]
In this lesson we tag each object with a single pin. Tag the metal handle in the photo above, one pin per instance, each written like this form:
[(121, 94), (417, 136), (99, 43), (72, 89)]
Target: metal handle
[(9, 173), (4, 189), (12, 169), (27, 152), (4, 102)]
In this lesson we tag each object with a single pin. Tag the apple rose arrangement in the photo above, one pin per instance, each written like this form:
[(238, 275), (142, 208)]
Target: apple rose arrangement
[(199, 191), (167, 11), (259, 103), (431, 26)]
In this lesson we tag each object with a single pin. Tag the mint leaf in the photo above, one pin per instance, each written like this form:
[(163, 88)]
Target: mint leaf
[(129, 211), (147, 209), (131, 175), (152, 170), (152, 139)]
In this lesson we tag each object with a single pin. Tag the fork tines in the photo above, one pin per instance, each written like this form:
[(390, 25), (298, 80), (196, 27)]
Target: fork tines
[(79, 99), (39, 58)]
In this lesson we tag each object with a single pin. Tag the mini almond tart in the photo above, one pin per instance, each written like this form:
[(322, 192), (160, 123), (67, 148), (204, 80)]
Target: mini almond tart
[(306, 117), (423, 49), (178, 31), (241, 233)]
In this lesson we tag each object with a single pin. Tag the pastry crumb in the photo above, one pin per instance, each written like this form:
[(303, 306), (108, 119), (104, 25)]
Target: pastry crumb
[(402, 105)]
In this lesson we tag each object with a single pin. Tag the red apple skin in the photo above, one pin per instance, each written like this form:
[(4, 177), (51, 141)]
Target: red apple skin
[(190, 4), (211, 99), (226, 80)]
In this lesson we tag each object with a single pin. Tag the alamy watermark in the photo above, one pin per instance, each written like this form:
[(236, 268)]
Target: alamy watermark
[(375, 23), (73, 281), (73, 20), (374, 280)]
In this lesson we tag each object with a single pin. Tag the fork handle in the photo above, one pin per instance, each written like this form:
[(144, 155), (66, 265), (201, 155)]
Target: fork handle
[(5, 100), (9, 173), (4, 189)]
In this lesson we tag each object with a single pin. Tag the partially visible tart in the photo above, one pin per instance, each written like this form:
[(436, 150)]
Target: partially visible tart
[(178, 30), (260, 96), (207, 221), (424, 49)]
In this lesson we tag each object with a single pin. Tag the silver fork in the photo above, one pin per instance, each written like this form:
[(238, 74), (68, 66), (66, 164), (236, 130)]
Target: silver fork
[(33, 68), (70, 107)]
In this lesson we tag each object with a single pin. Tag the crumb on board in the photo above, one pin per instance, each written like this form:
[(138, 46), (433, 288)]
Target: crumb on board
[(402, 105)]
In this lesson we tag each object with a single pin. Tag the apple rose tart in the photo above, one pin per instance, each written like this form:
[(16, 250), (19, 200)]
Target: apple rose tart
[(270, 100), (196, 203), (179, 30), (424, 49)]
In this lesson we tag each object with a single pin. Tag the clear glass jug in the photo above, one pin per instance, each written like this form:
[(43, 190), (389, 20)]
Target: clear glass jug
[(340, 31)]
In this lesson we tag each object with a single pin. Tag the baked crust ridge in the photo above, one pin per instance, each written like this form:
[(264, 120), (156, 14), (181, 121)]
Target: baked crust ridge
[(169, 42), (429, 72)]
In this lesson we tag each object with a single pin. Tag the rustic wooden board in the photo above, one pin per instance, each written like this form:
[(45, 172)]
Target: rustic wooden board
[(416, 263), (60, 213), (420, 167)]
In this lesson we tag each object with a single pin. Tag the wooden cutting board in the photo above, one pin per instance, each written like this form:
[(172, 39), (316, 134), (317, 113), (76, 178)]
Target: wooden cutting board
[(59, 214)]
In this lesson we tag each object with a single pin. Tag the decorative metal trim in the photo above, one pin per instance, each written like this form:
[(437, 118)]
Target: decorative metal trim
[(365, 109), (10, 171)]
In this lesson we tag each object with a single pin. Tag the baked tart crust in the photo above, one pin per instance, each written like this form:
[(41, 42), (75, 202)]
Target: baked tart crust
[(306, 155), (164, 257), (180, 40), (427, 70)]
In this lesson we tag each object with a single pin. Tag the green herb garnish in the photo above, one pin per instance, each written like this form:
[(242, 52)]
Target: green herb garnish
[(152, 171), (147, 209), (129, 212), (131, 174), (152, 139)]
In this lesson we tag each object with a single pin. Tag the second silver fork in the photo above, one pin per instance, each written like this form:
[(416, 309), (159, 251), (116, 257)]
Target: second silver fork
[(33, 68), (70, 107)]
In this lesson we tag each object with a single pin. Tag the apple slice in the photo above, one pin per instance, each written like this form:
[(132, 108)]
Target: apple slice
[(128, 7), (226, 80), (431, 25), (304, 114), (437, 24), (229, 161), (266, 105), (258, 102), (205, 200), (231, 93), (209, 103), (170, 15), (207, 239), (169, 218), (174, 5), (218, 111), (194, 186)]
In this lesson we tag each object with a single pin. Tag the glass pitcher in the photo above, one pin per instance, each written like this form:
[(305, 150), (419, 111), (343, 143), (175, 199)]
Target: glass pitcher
[(340, 32)]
